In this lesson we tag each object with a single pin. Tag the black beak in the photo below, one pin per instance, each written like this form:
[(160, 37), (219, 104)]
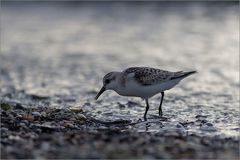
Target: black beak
[(100, 92)]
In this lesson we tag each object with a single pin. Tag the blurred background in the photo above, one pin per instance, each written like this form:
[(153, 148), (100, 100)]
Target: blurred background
[(58, 52)]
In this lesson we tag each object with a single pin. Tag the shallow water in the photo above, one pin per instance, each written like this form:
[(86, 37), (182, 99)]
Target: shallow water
[(56, 55)]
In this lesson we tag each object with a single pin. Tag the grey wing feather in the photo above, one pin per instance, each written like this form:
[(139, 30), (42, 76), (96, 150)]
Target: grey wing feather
[(148, 76), (181, 74)]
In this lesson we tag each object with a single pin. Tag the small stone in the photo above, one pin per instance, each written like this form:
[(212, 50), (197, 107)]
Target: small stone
[(68, 125), (47, 126), (72, 119), (28, 117), (19, 116), (25, 122), (204, 121), (38, 97), (81, 117), (200, 116), (54, 110), (102, 128), (209, 124), (44, 114), (179, 126), (36, 114), (22, 124), (69, 99), (11, 137), (76, 109), (3, 129)]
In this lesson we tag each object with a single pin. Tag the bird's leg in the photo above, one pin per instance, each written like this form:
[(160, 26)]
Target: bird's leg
[(147, 107), (160, 106)]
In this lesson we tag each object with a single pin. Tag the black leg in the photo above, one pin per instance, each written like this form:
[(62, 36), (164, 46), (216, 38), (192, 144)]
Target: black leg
[(147, 107), (160, 106)]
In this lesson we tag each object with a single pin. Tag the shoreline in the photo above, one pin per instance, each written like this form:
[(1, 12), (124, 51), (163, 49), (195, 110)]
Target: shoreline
[(55, 133)]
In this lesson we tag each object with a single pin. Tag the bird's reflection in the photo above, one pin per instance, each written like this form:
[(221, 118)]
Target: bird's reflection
[(147, 125)]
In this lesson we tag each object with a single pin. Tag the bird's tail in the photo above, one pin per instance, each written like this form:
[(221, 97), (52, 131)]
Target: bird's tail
[(183, 74)]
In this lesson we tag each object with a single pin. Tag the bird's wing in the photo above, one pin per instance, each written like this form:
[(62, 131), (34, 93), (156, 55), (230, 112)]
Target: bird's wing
[(181, 74), (147, 75)]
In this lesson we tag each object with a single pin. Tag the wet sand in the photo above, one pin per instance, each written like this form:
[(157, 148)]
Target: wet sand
[(54, 55)]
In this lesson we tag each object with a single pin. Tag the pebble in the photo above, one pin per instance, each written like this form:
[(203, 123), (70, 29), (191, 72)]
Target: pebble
[(25, 121), (44, 114), (3, 129), (28, 117), (200, 116), (76, 109), (81, 117), (22, 124), (11, 137), (38, 97), (204, 121), (19, 116), (179, 126), (69, 99), (209, 124), (68, 125), (36, 114), (72, 119)]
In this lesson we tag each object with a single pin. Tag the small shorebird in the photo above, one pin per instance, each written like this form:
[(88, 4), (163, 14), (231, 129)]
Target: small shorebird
[(143, 82)]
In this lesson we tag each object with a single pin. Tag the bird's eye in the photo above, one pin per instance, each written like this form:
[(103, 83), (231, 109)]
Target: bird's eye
[(107, 81)]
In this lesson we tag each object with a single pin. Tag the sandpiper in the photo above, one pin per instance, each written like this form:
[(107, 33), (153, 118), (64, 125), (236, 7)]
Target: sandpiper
[(143, 82)]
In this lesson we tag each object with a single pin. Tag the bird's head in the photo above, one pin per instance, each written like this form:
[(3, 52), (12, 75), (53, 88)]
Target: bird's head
[(109, 83)]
